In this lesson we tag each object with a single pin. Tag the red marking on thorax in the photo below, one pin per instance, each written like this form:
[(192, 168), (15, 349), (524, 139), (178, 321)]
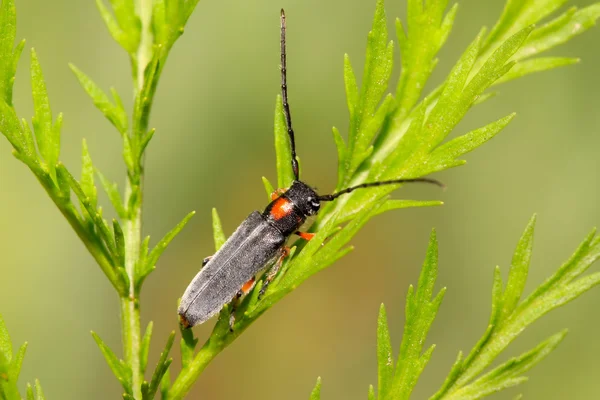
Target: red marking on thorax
[(281, 208)]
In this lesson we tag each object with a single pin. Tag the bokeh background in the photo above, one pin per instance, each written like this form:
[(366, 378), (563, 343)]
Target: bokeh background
[(213, 115)]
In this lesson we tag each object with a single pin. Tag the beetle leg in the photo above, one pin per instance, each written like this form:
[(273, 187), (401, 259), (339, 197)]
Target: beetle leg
[(277, 193), (285, 251), (206, 260), (248, 286), (305, 235)]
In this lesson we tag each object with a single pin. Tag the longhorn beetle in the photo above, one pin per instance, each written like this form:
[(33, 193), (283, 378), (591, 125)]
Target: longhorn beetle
[(260, 239)]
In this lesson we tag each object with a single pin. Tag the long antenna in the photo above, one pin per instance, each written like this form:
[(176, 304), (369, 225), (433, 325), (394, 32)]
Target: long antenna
[(284, 98), (330, 197)]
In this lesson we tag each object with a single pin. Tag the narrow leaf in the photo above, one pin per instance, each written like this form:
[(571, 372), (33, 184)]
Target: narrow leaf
[(351, 87), (268, 187), (87, 176), (385, 361), (283, 150), (145, 347), (17, 362), (316, 392), (39, 394), (528, 67), (188, 346), (517, 277), (218, 234), (114, 196), (114, 113), (48, 138), (6, 349), (118, 367), (162, 245), (161, 367)]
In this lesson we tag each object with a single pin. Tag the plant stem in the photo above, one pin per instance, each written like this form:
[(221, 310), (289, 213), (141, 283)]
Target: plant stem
[(188, 376), (130, 310), (130, 306)]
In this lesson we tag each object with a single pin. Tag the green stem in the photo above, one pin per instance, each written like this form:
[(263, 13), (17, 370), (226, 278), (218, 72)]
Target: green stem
[(130, 310), (186, 379), (130, 307)]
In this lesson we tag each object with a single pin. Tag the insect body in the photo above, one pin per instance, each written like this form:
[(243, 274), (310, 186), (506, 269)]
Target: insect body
[(260, 240)]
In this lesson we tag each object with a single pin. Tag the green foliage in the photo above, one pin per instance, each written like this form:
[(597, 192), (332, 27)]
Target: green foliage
[(510, 316), (390, 136), (10, 368), (402, 137)]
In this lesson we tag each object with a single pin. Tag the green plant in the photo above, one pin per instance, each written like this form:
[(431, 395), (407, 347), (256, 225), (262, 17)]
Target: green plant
[(390, 136), (510, 316)]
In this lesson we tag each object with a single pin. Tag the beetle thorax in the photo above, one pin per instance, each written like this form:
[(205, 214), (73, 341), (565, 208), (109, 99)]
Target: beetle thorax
[(289, 211)]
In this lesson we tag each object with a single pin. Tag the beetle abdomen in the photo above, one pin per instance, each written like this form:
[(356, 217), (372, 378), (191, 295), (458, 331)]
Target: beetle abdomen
[(249, 250)]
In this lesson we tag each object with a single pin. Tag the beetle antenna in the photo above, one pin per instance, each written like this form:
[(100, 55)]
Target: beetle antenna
[(331, 197), (284, 99)]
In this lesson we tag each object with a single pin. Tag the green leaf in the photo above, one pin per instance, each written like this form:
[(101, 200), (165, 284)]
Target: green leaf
[(351, 87), (371, 395), (47, 134), (162, 246), (283, 150), (508, 374), (17, 362), (316, 392), (119, 33), (268, 187), (30, 395), (11, 128), (8, 33), (519, 269), (161, 369), (517, 15), (446, 155), (218, 234), (188, 346), (114, 113), (87, 176), (421, 310), (165, 385), (118, 367), (342, 154), (427, 31), (128, 21), (560, 30), (39, 394), (6, 350), (112, 191), (564, 286), (119, 242), (145, 347), (528, 67), (95, 215), (365, 121), (385, 360)]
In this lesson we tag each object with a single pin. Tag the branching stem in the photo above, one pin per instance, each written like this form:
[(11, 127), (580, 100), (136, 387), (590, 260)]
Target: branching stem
[(130, 309)]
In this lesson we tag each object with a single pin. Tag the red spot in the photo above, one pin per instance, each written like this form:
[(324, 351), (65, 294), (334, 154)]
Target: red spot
[(305, 235), (248, 286), (282, 207)]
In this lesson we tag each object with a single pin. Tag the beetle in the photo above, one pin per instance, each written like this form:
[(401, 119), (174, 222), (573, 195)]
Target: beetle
[(260, 240)]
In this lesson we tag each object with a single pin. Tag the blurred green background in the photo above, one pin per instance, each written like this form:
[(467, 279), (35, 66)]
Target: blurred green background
[(214, 116)]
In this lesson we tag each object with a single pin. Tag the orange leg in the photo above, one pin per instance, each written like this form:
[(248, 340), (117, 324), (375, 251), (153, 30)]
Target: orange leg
[(277, 193), (248, 286), (305, 235), (285, 251)]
